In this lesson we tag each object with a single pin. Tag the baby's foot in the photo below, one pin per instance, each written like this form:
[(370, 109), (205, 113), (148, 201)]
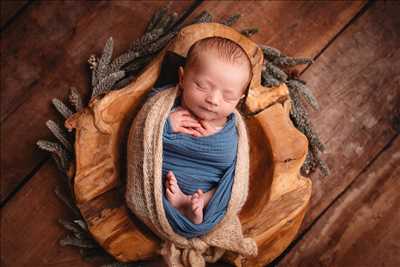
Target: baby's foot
[(195, 213), (174, 194)]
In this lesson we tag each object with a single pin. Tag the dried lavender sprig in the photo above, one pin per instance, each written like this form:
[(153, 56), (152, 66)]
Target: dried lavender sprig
[(57, 150), (138, 64), (124, 59), (275, 71), (284, 61), (268, 80), (155, 18), (61, 108), (300, 118), (173, 20), (74, 228), (93, 63), (230, 20), (75, 99), (159, 44), (81, 224), (164, 22), (313, 159), (305, 92), (60, 134), (105, 59), (204, 17), (270, 52), (249, 32), (106, 83), (73, 241), (118, 264)]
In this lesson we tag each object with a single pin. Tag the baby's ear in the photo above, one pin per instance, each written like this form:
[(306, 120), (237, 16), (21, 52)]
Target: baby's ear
[(180, 74)]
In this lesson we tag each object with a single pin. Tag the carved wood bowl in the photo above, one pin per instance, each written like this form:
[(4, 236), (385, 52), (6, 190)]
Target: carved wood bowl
[(278, 194)]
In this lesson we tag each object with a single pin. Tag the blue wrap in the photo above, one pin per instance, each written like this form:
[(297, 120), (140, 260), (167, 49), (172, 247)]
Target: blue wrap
[(200, 163)]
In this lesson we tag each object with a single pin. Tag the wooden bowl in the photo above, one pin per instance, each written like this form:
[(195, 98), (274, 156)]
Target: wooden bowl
[(278, 194)]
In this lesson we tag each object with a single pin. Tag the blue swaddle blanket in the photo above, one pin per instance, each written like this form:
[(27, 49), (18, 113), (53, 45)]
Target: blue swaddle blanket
[(200, 163)]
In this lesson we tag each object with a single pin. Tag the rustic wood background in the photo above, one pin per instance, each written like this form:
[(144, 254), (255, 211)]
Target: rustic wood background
[(354, 215)]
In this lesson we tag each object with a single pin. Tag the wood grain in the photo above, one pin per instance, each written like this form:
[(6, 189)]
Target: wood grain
[(356, 81), (47, 49), (297, 28), (361, 227), (9, 9)]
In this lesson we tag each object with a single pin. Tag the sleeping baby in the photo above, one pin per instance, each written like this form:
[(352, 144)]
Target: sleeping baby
[(200, 137)]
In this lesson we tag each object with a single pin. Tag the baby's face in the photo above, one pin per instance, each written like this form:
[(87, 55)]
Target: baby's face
[(212, 88)]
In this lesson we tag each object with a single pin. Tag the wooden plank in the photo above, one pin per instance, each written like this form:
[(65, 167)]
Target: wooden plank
[(297, 28), (47, 53), (29, 229), (361, 227), (9, 9), (356, 81)]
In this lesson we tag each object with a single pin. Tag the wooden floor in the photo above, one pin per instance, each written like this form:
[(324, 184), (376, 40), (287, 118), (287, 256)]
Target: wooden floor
[(354, 215)]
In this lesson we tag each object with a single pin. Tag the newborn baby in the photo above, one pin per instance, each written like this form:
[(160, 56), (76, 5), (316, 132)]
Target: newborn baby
[(216, 75)]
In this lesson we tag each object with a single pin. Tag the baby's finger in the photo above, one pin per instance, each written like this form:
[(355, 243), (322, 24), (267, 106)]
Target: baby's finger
[(169, 191), (185, 130), (206, 125), (196, 133), (201, 130), (188, 123)]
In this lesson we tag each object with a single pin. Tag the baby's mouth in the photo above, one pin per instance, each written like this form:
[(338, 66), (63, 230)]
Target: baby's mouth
[(206, 109)]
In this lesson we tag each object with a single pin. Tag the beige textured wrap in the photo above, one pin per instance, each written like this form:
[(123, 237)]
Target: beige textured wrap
[(144, 189)]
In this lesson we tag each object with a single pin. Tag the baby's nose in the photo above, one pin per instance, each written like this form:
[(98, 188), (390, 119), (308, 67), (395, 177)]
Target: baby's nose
[(214, 98)]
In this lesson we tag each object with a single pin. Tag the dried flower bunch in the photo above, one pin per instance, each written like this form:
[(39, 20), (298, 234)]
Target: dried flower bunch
[(113, 74)]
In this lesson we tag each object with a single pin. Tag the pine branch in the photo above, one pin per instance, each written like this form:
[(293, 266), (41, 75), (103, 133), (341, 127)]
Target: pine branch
[(60, 134), (105, 84), (75, 99), (231, 20), (61, 108)]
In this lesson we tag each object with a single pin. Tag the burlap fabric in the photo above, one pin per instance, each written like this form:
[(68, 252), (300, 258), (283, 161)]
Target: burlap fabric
[(144, 190)]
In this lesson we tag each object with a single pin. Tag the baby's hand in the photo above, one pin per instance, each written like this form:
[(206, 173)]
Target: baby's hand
[(205, 128), (182, 121)]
